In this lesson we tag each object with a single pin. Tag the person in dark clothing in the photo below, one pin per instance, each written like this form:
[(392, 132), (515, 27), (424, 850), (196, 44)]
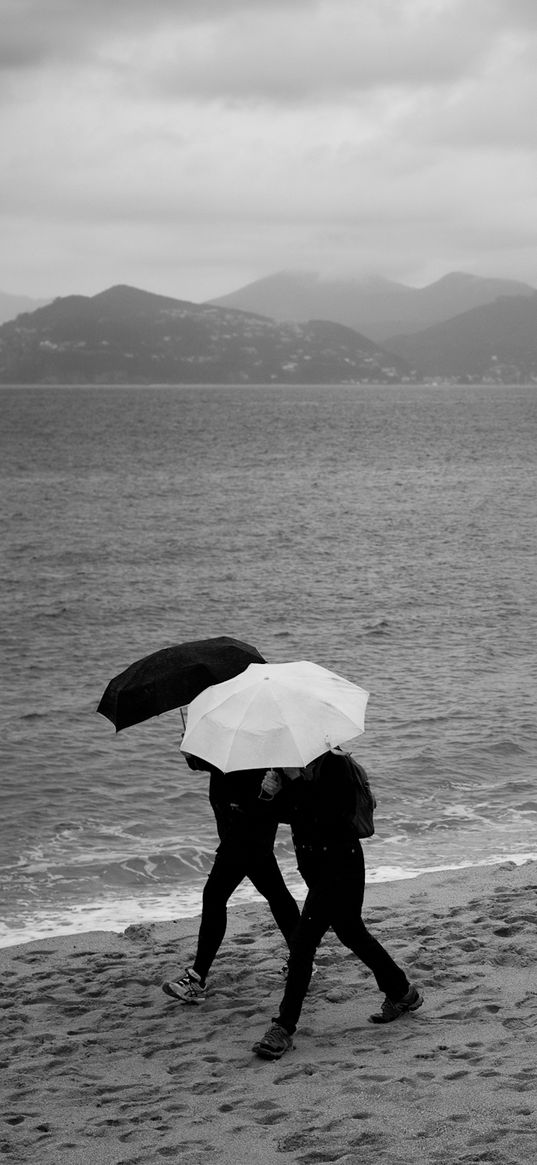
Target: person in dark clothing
[(247, 822), (320, 808)]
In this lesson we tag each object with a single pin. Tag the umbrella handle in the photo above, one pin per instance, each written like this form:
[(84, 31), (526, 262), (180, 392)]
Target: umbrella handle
[(183, 719)]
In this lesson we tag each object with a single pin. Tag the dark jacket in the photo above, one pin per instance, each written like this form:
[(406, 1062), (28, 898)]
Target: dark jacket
[(242, 819), (320, 810)]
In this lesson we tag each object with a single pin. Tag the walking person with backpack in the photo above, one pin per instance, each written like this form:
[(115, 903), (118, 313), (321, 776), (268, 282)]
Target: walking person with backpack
[(329, 806)]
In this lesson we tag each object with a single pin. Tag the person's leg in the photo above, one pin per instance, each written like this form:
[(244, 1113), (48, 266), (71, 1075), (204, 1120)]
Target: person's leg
[(225, 876), (266, 876), (227, 873), (313, 924), (348, 925), (352, 932)]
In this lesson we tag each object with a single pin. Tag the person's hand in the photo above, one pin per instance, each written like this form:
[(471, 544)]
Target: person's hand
[(271, 784)]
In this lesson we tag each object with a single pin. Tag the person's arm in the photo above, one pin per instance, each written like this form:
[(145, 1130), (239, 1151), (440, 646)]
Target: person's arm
[(219, 803)]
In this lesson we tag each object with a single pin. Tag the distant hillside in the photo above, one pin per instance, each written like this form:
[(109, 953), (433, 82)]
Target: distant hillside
[(128, 336), (13, 305), (497, 341), (377, 308)]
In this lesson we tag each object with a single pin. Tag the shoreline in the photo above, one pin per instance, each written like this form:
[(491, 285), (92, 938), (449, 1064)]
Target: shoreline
[(105, 914), (100, 1066)]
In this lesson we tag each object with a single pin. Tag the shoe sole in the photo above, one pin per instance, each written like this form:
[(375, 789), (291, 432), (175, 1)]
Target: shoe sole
[(269, 1053), (411, 1007), (195, 999)]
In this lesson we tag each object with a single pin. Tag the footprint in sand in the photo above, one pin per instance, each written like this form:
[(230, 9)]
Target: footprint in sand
[(208, 1086), (271, 1118), (518, 1024), (297, 1140), (297, 1073)]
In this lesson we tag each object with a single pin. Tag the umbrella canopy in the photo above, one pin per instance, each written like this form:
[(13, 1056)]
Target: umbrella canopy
[(280, 714), (172, 677)]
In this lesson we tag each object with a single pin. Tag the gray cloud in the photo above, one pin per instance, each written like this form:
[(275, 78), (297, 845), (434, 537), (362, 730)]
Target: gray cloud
[(516, 13), (191, 145), (263, 48), (313, 64), (37, 31)]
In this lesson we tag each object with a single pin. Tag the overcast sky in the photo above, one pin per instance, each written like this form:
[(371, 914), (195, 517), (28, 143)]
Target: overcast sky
[(191, 146)]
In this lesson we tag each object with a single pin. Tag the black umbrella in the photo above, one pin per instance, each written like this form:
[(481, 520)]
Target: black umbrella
[(172, 677)]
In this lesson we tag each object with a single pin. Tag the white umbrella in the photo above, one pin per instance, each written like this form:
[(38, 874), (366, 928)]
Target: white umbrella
[(278, 714)]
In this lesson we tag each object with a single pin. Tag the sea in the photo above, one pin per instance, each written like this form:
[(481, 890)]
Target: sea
[(388, 533)]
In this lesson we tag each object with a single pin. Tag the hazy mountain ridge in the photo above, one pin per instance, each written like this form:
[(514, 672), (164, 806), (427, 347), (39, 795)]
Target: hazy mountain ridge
[(12, 305), (376, 307), (492, 342), (128, 336)]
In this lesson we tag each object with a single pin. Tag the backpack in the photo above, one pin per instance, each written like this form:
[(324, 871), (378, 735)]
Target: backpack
[(365, 800)]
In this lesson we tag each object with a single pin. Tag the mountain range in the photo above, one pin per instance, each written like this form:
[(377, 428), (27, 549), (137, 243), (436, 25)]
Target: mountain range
[(378, 308), (13, 305), (494, 342), (127, 336)]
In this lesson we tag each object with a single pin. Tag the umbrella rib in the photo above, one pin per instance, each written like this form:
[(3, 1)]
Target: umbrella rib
[(280, 702), (251, 697)]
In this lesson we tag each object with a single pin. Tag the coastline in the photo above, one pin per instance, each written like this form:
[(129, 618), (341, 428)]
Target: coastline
[(100, 1066), (115, 913)]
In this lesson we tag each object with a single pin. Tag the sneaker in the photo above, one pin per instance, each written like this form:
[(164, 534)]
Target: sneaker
[(392, 1008), (186, 990), (275, 1042)]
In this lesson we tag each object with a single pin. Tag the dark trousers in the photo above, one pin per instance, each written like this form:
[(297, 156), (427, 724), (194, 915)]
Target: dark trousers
[(229, 870), (336, 882)]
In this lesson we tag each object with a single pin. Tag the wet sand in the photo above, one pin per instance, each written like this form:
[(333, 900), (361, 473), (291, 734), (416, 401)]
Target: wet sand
[(99, 1067)]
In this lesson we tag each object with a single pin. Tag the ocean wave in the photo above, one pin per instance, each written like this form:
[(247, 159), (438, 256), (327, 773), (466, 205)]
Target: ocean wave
[(400, 873), (57, 613), (41, 715), (505, 747), (117, 913), (383, 627)]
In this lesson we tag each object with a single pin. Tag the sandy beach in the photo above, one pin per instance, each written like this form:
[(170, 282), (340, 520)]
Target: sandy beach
[(99, 1067)]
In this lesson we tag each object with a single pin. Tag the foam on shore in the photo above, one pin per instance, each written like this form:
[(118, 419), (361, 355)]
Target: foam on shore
[(117, 913)]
